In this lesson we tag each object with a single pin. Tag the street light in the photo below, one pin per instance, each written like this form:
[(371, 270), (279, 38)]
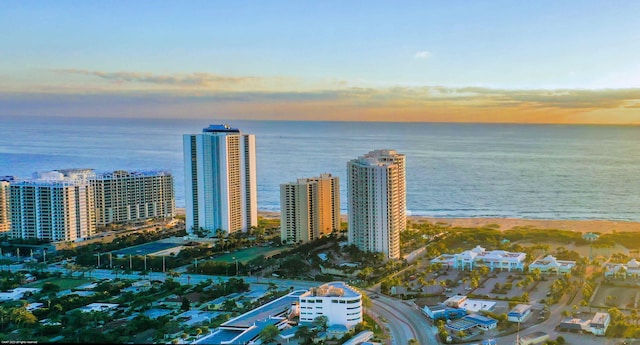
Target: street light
[(234, 258)]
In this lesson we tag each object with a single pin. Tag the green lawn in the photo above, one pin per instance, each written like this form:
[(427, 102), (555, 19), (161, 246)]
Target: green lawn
[(246, 255), (64, 283)]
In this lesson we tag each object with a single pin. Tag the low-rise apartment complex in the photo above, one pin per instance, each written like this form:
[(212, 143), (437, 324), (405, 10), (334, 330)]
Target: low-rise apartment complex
[(478, 256), (550, 264)]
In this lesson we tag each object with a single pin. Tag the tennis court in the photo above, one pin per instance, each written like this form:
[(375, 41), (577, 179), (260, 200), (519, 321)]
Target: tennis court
[(246, 255), (146, 249)]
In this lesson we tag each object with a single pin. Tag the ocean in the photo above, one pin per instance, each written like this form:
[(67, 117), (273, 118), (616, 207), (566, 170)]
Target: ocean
[(453, 170)]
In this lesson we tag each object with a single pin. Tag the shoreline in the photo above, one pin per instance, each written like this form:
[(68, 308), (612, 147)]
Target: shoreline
[(579, 225)]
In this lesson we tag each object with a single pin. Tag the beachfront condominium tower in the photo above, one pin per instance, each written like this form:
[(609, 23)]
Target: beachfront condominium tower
[(5, 214), (377, 201), (309, 208), (220, 180), (53, 208), (132, 196)]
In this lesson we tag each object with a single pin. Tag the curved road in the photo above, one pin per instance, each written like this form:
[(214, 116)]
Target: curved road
[(405, 321)]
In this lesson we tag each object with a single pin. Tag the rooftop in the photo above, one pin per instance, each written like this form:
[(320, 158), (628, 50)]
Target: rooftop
[(484, 320), (333, 289), (600, 318), (223, 128), (520, 309), (532, 336), (270, 309)]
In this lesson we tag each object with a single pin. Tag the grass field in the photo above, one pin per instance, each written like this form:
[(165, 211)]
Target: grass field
[(64, 283), (621, 297), (246, 255)]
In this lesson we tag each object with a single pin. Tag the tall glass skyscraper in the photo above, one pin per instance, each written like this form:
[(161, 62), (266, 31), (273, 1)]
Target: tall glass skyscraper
[(377, 201), (220, 180)]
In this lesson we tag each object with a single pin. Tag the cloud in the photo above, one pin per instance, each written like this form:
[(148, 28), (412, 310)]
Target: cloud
[(422, 55), (198, 79), (400, 103)]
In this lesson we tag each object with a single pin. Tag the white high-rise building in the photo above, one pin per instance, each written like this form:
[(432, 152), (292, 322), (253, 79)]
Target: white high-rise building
[(129, 196), (309, 208), (220, 180), (53, 208), (377, 201)]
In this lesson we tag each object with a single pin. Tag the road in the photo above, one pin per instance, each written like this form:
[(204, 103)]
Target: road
[(187, 278), (405, 321)]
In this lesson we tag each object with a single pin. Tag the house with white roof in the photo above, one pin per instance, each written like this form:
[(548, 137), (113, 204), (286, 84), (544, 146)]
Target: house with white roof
[(98, 307), (479, 256), (629, 270), (16, 294), (600, 323), (550, 264), (519, 313)]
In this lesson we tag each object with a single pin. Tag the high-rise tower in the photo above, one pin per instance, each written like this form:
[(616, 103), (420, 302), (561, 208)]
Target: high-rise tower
[(5, 206), (377, 201), (52, 207), (220, 180), (309, 208)]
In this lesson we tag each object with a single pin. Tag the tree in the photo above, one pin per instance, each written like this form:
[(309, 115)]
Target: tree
[(21, 315), (634, 316), (412, 341), (186, 305), (303, 334), (269, 333), (321, 322), (49, 287)]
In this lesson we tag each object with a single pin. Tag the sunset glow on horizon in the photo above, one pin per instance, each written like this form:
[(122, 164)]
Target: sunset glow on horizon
[(414, 61)]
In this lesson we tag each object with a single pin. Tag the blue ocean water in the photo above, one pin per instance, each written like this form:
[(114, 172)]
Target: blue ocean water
[(453, 170)]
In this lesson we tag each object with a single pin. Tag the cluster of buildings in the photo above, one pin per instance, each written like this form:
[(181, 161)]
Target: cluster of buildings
[(220, 185), (68, 204), (629, 270), (338, 302), (478, 256), (503, 260), (456, 307), (220, 195), (597, 325)]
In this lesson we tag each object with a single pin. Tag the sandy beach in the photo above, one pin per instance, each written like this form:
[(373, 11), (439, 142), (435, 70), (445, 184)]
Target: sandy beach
[(601, 226)]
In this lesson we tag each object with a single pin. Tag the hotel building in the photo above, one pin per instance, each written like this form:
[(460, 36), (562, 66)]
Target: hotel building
[(220, 180), (130, 196), (478, 256), (5, 214), (377, 201), (53, 208), (340, 303), (309, 208)]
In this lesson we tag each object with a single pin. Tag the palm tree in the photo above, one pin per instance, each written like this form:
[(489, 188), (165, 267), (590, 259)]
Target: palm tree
[(3, 313), (117, 270), (634, 316)]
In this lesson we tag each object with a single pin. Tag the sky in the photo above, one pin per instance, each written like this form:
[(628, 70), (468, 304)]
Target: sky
[(444, 61)]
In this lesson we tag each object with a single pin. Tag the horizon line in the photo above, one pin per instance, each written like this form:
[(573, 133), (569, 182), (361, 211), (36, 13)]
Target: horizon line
[(229, 120)]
